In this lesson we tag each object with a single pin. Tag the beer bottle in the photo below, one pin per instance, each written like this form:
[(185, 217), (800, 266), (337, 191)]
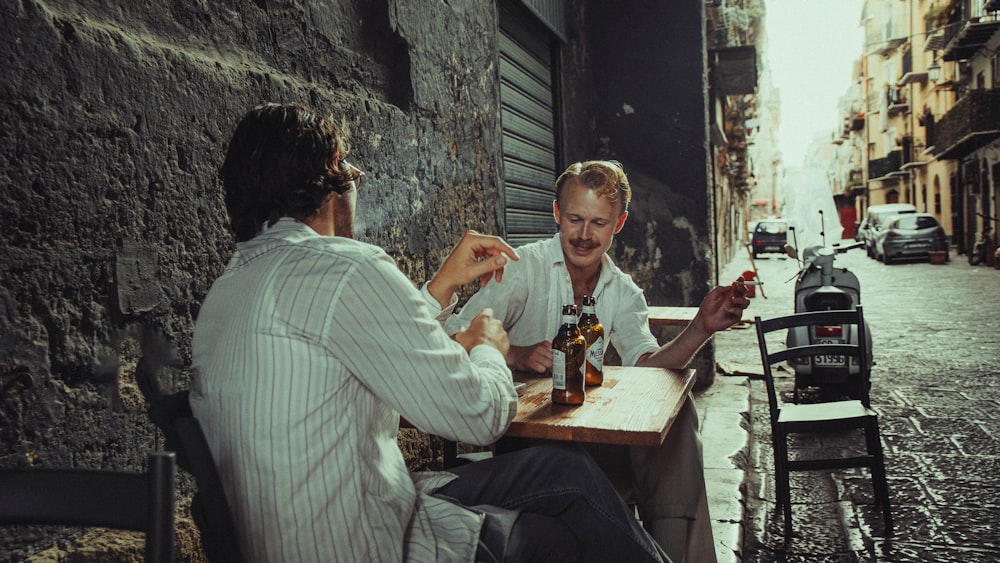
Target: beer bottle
[(593, 332), (568, 356)]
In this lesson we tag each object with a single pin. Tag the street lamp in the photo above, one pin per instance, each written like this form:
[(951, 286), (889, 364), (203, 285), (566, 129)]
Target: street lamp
[(934, 71)]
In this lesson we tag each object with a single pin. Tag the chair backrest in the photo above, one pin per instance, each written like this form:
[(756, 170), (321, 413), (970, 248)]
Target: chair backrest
[(855, 351), (209, 506), (122, 500)]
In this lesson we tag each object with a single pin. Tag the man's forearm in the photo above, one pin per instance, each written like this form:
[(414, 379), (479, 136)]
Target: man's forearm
[(677, 353)]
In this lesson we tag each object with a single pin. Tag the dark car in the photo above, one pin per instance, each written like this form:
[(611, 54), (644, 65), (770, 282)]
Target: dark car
[(769, 236), (913, 235)]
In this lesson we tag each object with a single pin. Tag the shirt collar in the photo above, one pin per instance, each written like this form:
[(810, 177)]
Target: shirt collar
[(285, 230), (284, 227), (608, 267)]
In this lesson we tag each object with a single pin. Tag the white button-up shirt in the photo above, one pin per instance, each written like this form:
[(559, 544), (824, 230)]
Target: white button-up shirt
[(306, 351), (534, 289)]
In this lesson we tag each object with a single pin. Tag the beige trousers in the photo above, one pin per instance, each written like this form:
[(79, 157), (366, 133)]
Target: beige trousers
[(667, 483)]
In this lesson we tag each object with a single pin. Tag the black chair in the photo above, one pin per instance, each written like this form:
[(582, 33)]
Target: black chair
[(209, 506), (124, 500), (789, 418)]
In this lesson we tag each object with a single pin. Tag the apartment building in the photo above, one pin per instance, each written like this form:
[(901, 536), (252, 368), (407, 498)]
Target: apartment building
[(967, 133), (921, 121), (734, 39)]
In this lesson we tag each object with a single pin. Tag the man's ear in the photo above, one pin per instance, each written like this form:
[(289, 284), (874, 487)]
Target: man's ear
[(621, 222), (555, 210)]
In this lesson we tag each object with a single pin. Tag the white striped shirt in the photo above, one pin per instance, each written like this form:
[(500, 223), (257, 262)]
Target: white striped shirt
[(306, 351)]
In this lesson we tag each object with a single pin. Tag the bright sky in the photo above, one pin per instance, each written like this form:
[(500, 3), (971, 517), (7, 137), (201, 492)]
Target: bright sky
[(811, 47)]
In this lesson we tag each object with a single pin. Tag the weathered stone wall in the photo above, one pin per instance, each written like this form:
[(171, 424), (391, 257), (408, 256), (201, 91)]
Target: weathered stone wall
[(116, 115)]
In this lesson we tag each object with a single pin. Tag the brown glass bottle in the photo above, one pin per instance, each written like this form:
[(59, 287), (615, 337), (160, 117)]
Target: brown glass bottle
[(593, 333), (568, 356)]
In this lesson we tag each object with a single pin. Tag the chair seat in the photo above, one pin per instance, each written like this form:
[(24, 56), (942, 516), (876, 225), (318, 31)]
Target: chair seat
[(818, 412)]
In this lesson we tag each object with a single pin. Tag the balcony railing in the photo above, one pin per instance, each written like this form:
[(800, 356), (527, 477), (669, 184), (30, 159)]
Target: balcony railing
[(882, 167), (971, 123), (964, 38)]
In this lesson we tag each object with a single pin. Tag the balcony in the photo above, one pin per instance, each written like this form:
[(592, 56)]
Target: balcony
[(970, 37), (974, 121), (735, 69), (896, 101), (911, 151), (883, 168), (858, 122), (910, 76)]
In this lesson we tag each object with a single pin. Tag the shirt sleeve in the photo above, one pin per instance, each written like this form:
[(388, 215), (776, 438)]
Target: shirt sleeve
[(630, 332), (506, 298), (383, 329), (432, 304)]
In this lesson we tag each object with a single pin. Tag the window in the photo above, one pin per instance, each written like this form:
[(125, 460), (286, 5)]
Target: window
[(915, 222)]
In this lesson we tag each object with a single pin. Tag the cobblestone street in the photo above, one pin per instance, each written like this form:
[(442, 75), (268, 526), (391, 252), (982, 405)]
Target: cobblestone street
[(936, 342)]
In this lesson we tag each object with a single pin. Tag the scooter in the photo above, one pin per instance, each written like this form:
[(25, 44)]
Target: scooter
[(819, 286)]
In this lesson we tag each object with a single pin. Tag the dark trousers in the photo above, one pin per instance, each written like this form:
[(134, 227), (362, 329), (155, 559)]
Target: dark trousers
[(550, 503)]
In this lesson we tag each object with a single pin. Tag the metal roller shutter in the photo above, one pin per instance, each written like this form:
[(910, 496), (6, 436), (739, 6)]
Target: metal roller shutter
[(527, 95)]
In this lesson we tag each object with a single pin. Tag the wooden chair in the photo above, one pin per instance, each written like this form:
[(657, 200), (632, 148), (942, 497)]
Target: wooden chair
[(124, 500), (788, 418)]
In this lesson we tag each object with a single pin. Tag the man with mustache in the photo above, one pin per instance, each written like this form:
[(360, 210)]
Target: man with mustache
[(591, 206)]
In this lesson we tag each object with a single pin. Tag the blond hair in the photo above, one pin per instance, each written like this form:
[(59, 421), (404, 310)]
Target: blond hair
[(606, 177)]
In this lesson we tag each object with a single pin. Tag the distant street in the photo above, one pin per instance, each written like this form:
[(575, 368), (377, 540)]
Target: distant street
[(936, 385)]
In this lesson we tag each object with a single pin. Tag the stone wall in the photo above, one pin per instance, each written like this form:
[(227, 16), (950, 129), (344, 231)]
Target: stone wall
[(116, 116)]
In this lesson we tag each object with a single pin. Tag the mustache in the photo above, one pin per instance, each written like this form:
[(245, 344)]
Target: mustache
[(581, 243)]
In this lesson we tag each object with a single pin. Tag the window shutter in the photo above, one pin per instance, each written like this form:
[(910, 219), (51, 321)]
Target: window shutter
[(527, 95)]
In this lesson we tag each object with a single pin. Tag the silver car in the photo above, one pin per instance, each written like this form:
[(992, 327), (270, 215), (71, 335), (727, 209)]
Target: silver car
[(913, 235), (874, 221)]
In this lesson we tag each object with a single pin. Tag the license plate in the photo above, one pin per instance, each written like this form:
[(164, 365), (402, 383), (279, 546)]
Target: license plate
[(829, 360), (918, 245)]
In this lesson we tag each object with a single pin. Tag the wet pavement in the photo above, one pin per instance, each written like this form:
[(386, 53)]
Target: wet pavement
[(936, 386)]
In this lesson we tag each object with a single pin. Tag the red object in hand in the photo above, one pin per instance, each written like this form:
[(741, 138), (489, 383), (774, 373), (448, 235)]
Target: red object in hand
[(749, 275)]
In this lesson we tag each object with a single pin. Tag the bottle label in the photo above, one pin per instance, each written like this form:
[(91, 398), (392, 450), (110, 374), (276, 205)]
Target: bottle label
[(595, 353), (569, 320), (589, 309), (559, 370)]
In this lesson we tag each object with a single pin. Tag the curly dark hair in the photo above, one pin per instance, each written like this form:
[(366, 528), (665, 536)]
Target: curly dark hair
[(283, 160)]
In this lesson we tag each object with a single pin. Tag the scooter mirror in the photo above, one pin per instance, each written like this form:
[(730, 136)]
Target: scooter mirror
[(790, 251)]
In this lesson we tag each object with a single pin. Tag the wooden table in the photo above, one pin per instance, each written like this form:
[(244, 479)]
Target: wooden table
[(634, 407), (671, 316)]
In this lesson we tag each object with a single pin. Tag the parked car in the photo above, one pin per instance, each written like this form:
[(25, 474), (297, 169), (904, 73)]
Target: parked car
[(769, 236), (913, 235), (874, 218)]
